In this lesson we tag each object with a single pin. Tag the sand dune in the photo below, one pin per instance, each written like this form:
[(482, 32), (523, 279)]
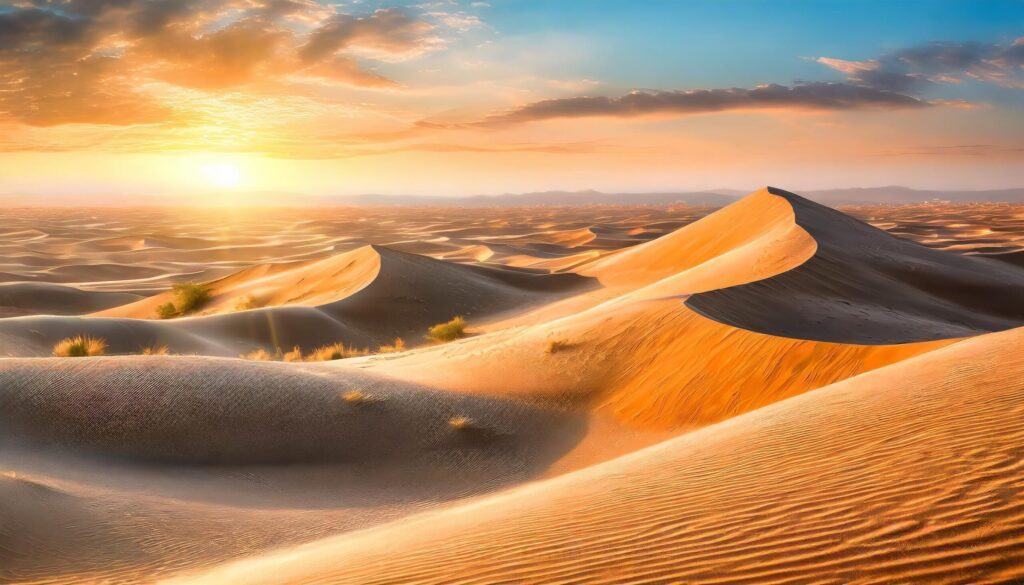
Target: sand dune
[(760, 227), (191, 446), (26, 298), (366, 297), (907, 474), (647, 395), (651, 363), (864, 286)]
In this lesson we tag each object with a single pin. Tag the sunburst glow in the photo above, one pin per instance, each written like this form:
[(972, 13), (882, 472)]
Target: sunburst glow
[(224, 175)]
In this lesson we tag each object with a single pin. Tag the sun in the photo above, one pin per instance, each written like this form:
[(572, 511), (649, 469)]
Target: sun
[(224, 175)]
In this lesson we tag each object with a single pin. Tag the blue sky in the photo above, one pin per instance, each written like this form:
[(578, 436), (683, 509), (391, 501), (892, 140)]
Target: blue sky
[(468, 96)]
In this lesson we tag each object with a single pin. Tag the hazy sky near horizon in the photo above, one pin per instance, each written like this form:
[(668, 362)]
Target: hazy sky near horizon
[(459, 97)]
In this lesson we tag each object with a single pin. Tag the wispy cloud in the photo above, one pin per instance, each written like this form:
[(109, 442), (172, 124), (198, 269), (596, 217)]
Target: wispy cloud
[(940, 62), (805, 96)]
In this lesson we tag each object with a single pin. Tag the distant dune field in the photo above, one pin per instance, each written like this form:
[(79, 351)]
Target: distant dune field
[(774, 391)]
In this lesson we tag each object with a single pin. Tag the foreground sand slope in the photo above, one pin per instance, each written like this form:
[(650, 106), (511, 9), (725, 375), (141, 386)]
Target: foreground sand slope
[(130, 468), (911, 473)]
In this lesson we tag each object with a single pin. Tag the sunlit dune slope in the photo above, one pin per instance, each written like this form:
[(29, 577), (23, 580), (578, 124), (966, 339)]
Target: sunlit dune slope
[(648, 358), (652, 363), (754, 238), (863, 285), (911, 473)]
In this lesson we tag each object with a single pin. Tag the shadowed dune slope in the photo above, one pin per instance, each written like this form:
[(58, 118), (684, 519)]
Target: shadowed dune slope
[(200, 410), (23, 298), (865, 286), (911, 473), (368, 273), (366, 297)]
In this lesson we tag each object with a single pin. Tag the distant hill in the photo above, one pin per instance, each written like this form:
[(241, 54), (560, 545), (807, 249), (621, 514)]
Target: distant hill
[(589, 197), (713, 198), (897, 195)]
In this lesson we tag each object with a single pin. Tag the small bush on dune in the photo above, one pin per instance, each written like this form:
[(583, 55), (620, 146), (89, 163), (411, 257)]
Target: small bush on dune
[(259, 355), (397, 346), (156, 350), (557, 345), (460, 422), (166, 311), (190, 296), (81, 346), (450, 331), (358, 397), (295, 355), (335, 351)]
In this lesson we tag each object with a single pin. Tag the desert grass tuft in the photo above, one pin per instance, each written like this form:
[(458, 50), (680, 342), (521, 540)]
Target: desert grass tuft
[(295, 355), (80, 346), (335, 351), (258, 355), (450, 331), (156, 350), (460, 423), (358, 397), (398, 345)]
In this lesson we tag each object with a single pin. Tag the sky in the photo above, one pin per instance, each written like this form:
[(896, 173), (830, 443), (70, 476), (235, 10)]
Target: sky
[(243, 98)]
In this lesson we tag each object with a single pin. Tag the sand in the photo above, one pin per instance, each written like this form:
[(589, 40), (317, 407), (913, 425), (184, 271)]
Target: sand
[(911, 473), (770, 392)]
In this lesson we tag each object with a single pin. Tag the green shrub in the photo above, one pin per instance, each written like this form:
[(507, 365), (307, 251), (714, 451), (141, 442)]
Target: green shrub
[(166, 311), (450, 331), (190, 296)]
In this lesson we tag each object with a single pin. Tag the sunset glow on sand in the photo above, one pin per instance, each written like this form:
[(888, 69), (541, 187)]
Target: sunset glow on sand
[(511, 292)]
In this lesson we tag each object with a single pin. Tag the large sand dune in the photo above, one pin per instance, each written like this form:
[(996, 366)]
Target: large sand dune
[(865, 286), (365, 297), (773, 392), (908, 474)]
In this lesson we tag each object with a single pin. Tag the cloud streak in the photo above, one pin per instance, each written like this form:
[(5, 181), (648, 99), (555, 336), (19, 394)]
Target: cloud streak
[(914, 68), (820, 96)]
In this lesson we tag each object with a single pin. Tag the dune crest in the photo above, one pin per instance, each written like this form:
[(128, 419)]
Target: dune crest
[(865, 286)]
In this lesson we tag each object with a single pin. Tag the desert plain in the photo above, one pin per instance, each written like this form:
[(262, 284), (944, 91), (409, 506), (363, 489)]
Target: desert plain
[(770, 392)]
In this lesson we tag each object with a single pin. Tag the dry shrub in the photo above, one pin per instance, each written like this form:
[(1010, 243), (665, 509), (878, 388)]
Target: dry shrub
[(295, 355), (166, 311), (156, 350), (80, 346), (450, 331), (557, 345), (335, 351), (259, 355), (460, 422), (190, 296), (358, 397), (397, 346)]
